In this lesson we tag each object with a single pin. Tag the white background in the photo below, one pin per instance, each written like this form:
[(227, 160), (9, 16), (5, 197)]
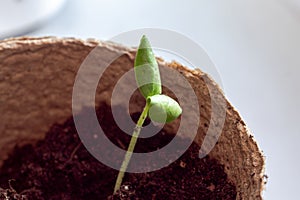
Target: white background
[(255, 45)]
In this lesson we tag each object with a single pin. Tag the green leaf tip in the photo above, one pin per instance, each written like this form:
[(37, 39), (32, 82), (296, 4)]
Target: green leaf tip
[(146, 69), (163, 109), (144, 42)]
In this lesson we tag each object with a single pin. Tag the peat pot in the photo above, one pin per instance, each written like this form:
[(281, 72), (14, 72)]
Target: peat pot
[(37, 78)]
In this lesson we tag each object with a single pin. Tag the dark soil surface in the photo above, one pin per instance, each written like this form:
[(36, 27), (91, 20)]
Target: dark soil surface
[(59, 167)]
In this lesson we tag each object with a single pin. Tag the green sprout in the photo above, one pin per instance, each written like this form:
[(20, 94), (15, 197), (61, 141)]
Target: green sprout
[(160, 108)]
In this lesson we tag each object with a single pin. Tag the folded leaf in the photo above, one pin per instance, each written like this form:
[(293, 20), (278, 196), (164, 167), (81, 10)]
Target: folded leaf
[(146, 70), (163, 108)]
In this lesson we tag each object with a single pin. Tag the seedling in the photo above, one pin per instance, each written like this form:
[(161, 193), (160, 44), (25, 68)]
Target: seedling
[(160, 108)]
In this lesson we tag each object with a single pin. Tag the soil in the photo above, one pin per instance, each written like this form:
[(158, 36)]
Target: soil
[(60, 167)]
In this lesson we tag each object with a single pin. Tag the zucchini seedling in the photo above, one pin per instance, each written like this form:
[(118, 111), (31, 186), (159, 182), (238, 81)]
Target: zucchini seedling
[(160, 108)]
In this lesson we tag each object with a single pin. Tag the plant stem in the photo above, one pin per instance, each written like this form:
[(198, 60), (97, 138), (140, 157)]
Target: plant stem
[(130, 149)]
